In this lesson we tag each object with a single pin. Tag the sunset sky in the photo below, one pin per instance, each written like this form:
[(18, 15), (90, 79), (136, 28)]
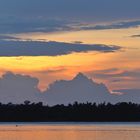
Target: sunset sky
[(56, 39)]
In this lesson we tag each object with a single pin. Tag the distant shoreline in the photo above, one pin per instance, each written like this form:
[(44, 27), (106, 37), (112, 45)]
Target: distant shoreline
[(77, 112)]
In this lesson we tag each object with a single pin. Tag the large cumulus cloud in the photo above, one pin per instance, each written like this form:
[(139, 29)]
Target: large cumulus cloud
[(17, 88)]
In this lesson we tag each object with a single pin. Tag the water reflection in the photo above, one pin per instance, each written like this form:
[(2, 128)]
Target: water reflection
[(70, 132)]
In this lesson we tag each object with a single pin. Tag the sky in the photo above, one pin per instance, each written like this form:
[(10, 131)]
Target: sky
[(56, 39)]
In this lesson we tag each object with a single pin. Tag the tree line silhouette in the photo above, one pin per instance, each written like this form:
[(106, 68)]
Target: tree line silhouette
[(76, 112)]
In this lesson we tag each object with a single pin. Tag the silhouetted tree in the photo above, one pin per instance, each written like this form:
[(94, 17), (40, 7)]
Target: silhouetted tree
[(72, 112)]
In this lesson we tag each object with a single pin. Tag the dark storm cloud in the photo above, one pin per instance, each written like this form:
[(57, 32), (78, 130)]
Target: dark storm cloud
[(36, 48)]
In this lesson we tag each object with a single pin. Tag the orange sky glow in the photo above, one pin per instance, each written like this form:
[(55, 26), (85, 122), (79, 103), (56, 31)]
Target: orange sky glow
[(50, 68)]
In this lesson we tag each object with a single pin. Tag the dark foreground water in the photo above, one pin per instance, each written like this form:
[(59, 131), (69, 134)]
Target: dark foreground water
[(70, 131)]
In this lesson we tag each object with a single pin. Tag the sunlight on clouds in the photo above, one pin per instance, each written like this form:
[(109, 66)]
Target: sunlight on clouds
[(109, 36), (120, 37), (49, 69)]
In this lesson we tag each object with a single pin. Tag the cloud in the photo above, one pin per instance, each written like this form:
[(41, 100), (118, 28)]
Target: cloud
[(129, 91), (52, 15), (15, 25), (117, 78), (83, 89), (51, 48), (53, 71), (116, 73), (132, 95), (118, 25), (135, 36), (106, 71), (80, 88), (17, 88), (8, 37)]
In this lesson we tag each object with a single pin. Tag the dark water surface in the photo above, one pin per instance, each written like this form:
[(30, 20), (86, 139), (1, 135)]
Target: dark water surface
[(69, 131)]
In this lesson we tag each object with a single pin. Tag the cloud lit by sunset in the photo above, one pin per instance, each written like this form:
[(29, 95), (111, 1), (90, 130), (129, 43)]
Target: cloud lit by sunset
[(56, 43)]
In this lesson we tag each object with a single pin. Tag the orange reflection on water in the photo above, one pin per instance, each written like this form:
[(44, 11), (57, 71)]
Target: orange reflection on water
[(71, 132)]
